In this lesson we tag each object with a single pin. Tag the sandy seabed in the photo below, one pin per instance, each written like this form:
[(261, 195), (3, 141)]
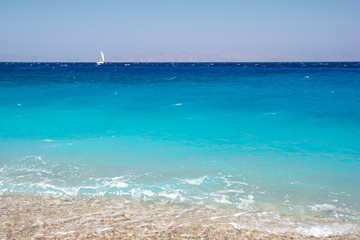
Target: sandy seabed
[(48, 217)]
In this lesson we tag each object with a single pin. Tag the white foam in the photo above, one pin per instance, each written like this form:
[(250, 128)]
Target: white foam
[(322, 207), (173, 196), (177, 104), (211, 207), (232, 191), (114, 182), (196, 181), (246, 202), (118, 184), (52, 189), (328, 207), (135, 193), (149, 193), (235, 225), (223, 199), (325, 230), (229, 183), (32, 157)]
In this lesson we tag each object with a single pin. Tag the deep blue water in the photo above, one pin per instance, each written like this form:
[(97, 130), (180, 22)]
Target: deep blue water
[(257, 137)]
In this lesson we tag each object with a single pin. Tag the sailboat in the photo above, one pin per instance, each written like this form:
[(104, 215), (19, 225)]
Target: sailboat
[(102, 59)]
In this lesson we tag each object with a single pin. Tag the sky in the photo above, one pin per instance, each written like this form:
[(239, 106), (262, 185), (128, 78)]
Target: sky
[(186, 30)]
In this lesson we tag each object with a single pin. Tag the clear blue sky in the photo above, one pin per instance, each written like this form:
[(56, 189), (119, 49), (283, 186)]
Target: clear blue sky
[(263, 30)]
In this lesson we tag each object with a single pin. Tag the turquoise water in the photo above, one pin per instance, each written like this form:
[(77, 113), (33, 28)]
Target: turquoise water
[(274, 138)]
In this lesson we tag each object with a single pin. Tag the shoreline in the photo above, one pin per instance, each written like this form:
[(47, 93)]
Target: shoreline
[(27, 216)]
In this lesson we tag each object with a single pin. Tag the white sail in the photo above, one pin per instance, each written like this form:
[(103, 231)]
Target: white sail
[(102, 58)]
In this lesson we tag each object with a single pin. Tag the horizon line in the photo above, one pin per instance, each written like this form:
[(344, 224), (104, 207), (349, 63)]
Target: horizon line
[(330, 61)]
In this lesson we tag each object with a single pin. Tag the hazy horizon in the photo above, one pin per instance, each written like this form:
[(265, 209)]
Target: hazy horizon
[(186, 31)]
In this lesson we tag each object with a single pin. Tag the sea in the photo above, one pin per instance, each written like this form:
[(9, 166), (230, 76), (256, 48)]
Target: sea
[(279, 142)]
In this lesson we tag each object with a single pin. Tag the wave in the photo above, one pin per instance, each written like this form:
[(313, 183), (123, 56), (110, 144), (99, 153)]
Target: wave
[(236, 194)]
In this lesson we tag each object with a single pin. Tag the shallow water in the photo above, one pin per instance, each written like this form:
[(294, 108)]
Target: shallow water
[(268, 139)]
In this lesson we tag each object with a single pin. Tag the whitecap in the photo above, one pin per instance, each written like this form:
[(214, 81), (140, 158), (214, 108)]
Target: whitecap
[(270, 113)]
